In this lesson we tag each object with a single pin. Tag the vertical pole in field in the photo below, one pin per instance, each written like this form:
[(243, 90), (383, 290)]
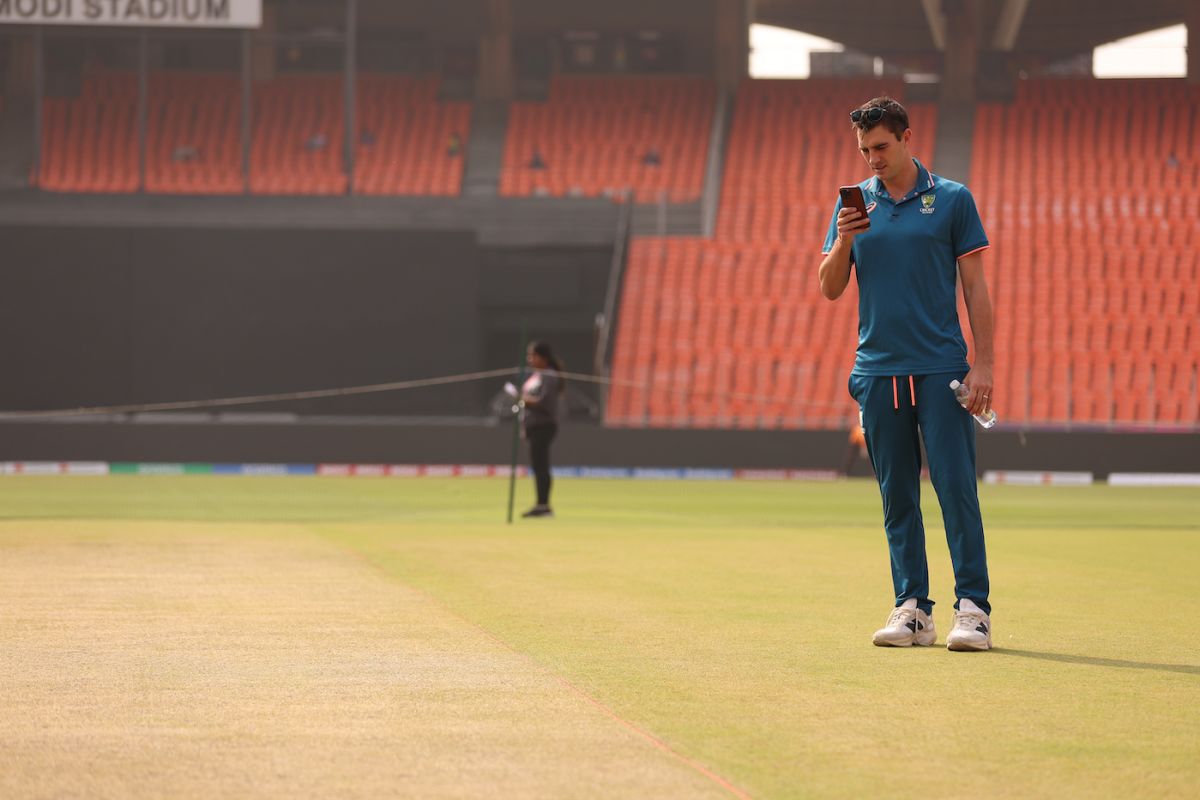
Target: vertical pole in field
[(516, 427)]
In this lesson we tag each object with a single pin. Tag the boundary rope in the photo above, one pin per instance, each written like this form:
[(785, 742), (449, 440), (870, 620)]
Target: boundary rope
[(346, 391)]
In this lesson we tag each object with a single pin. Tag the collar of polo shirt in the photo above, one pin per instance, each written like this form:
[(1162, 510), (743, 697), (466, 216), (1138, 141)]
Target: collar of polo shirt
[(924, 184)]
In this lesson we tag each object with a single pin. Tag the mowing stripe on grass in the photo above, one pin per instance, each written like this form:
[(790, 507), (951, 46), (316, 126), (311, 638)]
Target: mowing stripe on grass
[(634, 727)]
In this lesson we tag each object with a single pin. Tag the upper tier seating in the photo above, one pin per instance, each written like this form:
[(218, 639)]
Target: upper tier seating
[(594, 136), (194, 127)]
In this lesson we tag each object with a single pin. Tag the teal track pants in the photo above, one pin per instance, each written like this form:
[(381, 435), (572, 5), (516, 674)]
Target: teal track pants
[(898, 413)]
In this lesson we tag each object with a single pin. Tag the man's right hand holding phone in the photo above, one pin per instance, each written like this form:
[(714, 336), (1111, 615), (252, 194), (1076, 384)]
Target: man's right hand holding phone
[(852, 219), (851, 223)]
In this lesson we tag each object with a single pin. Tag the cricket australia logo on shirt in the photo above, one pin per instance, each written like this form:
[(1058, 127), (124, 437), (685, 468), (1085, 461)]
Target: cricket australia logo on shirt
[(927, 203)]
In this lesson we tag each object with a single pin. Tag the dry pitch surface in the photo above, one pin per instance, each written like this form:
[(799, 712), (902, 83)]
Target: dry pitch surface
[(148, 659), (200, 637)]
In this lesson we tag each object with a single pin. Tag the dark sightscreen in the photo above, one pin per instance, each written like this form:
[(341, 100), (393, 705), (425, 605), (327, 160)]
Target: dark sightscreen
[(105, 316)]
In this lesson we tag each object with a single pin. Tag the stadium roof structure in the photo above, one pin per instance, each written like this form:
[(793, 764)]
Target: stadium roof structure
[(1049, 30)]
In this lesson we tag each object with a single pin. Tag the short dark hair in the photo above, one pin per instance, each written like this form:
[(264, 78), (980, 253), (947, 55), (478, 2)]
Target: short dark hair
[(894, 117)]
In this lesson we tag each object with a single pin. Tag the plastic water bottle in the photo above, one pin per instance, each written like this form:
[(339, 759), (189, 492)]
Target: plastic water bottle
[(987, 419)]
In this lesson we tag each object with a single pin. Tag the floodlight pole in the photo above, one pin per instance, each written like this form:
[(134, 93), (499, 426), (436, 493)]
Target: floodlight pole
[(516, 426), (350, 96), (247, 107), (39, 90), (142, 103)]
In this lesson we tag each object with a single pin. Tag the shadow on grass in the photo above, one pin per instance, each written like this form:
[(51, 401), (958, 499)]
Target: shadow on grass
[(1183, 669)]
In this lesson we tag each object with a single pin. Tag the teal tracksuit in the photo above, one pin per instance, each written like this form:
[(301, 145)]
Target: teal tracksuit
[(895, 412), (910, 348)]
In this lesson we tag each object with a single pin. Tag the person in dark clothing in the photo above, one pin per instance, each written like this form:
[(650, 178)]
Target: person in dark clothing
[(540, 398)]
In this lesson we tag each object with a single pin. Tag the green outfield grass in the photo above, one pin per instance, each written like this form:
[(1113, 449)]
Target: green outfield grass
[(731, 620)]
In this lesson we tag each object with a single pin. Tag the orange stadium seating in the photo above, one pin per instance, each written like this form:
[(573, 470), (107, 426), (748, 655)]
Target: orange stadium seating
[(297, 143), (1087, 190), (593, 132), (790, 147), (733, 332), (193, 136), (89, 144), (727, 334), (411, 131)]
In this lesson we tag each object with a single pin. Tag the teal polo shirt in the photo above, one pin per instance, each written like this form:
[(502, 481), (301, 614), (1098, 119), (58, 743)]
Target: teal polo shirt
[(907, 266)]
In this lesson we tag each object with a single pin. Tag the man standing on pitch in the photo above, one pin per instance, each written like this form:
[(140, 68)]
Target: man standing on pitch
[(921, 231)]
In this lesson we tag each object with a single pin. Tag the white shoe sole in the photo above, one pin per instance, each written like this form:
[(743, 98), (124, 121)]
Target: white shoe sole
[(963, 647), (919, 641)]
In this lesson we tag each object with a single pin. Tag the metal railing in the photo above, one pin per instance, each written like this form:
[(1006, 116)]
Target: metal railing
[(606, 320), (714, 166)]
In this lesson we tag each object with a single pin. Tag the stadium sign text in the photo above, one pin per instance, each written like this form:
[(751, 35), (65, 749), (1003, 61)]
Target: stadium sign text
[(135, 13)]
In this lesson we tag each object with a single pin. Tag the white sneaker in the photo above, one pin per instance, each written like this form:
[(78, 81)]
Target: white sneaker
[(906, 627), (972, 631)]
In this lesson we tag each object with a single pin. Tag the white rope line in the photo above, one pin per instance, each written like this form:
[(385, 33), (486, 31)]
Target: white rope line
[(346, 391), (760, 398), (264, 398)]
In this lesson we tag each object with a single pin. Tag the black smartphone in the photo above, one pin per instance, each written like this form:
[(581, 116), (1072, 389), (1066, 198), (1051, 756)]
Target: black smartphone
[(852, 197)]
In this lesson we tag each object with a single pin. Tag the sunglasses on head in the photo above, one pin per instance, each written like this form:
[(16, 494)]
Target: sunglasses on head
[(870, 115)]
